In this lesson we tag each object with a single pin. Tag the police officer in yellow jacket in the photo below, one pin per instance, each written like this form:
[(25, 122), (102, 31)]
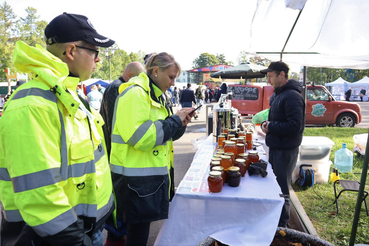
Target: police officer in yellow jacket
[(55, 182), (142, 150)]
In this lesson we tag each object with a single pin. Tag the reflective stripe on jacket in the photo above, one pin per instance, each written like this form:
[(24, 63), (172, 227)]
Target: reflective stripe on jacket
[(53, 166), (140, 158)]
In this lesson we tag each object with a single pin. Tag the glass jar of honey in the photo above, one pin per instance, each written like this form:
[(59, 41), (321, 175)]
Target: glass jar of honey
[(221, 138), (231, 136), (241, 140), (245, 156), (234, 176), (241, 163), (234, 140), (218, 156), (230, 147), (240, 149), (248, 145), (231, 154), (248, 136), (220, 169), (226, 162), (241, 134), (220, 151), (214, 164), (215, 182), (253, 156)]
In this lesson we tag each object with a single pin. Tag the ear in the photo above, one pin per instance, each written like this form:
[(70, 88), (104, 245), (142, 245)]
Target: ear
[(155, 71), (70, 51)]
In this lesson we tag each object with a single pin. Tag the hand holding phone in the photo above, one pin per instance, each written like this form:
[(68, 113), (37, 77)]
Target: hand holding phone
[(193, 111)]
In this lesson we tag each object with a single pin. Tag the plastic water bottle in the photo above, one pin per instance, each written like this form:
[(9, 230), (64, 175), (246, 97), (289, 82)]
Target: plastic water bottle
[(343, 159)]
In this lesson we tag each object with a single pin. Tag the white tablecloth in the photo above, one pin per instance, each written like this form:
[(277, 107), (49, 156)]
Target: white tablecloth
[(244, 215)]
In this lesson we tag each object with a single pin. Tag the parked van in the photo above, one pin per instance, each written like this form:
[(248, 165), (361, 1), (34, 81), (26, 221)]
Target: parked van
[(321, 107)]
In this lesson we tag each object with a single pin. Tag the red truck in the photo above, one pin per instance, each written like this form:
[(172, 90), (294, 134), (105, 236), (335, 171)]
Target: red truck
[(321, 107)]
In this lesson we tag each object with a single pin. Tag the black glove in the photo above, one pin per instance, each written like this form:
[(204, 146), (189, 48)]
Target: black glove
[(258, 168)]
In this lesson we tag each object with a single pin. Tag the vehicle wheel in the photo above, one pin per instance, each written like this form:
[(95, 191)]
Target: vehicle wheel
[(346, 120)]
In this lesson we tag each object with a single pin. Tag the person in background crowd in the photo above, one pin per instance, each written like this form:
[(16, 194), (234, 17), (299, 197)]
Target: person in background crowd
[(100, 88), (223, 90), (284, 128), (133, 69), (59, 190), (199, 97), (81, 93), (142, 149), (348, 94), (211, 95), (206, 95), (176, 96), (362, 94), (188, 99), (181, 91), (94, 98)]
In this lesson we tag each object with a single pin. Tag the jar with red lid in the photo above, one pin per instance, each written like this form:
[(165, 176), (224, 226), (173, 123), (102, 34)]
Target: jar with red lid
[(253, 156), (241, 163), (214, 164), (240, 149), (230, 147), (215, 182), (226, 162), (234, 176), (220, 169)]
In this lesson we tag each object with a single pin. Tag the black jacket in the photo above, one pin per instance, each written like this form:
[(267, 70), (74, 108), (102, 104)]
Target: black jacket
[(107, 109), (187, 96), (223, 90), (286, 117)]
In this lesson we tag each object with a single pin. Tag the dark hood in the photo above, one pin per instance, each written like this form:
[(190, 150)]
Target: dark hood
[(292, 84)]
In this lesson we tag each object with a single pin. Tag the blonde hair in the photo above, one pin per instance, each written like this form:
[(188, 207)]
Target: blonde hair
[(162, 60), (93, 87)]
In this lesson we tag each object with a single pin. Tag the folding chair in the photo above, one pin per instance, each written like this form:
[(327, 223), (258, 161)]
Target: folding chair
[(348, 185)]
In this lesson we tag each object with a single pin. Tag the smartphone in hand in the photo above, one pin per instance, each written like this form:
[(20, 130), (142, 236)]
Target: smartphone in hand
[(193, 111)]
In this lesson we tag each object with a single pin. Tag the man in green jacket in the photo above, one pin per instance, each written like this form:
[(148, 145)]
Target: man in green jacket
[(55, 182)]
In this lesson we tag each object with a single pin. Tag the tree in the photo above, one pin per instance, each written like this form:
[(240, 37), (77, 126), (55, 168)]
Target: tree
[(242, 57), (7, 20), (259, 61), (30, 29), (221, 59), (205, 60)]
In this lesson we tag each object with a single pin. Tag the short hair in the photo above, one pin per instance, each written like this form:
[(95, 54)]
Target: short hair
[(162, 60), (93, 87), (98, 85), (188, 85)]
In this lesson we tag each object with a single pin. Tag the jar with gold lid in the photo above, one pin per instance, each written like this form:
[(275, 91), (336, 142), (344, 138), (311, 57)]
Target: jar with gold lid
[(245, 156), (226, 162), (231, 136), (220, 169), (241, 163), (230, 147), (214, 164), (253, 156), (240, 148), (234, 176), (231, 154), (221, 138), (215, 182)]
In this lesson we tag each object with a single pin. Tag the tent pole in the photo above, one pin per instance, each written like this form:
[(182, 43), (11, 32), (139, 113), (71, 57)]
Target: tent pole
[(360, 196)]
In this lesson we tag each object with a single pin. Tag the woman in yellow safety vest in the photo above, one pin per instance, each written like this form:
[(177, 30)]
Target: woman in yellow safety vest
[(142, 148)]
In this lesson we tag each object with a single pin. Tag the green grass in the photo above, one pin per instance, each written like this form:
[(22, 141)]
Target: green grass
[(331, 227)]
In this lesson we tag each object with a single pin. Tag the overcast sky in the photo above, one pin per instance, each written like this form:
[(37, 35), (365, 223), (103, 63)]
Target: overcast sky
[(184, 29)]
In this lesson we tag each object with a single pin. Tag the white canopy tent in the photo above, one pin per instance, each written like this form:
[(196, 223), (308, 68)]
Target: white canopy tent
[(338, 88), (326, 33)]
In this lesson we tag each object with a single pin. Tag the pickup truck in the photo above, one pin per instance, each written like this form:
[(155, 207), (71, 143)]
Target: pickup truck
[(321, 107)]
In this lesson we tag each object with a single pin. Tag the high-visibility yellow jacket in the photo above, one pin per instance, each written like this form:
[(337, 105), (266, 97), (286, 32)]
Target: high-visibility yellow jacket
[(142, 151), (54, 174)]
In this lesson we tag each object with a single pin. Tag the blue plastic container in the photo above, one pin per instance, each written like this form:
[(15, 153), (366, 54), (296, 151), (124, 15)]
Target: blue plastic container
[(343, 159)]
